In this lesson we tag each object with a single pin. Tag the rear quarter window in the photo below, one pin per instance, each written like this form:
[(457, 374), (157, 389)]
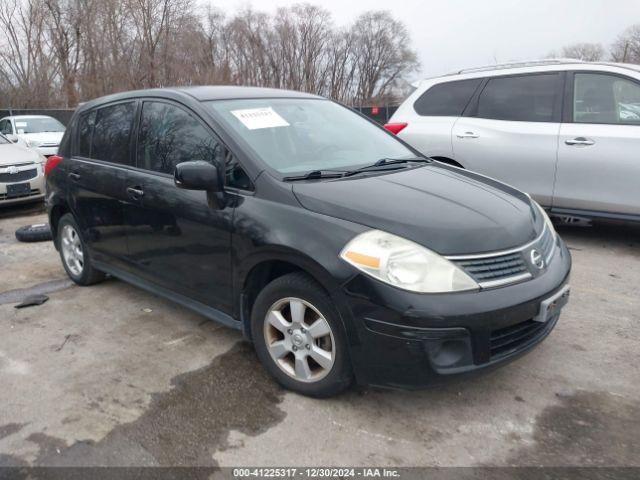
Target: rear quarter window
[(446, 99), (86, 123)]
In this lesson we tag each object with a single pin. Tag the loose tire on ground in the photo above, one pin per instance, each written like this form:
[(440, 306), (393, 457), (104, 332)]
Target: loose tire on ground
[(34, 233)]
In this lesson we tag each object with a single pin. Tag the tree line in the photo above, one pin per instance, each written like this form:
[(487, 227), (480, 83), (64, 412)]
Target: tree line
[(56, 53), (625, 49)]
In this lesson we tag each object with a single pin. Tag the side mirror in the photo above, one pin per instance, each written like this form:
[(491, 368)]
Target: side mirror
[(198, 175), (13, 138)]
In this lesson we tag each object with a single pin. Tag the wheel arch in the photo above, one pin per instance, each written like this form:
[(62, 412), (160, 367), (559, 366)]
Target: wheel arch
[(260, 270), (56, 212)]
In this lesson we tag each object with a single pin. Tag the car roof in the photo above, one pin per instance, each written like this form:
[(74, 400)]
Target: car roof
[(531, 66), (25, 117), (201, 94), (204, 93)]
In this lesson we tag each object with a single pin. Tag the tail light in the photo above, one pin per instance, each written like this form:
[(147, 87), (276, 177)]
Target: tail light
[(51, 163), (395, 128)]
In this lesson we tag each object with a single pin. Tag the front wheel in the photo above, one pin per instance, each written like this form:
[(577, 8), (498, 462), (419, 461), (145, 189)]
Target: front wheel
[(299, 338), (73, 252)]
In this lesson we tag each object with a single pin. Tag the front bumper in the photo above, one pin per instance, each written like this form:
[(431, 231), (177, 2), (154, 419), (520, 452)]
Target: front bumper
[(36, 187), (409, 340), (47, 151)]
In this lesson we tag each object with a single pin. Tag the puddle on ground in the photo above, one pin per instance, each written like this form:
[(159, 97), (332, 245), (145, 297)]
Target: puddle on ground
[(585, 429), (186, 425), (10, 429)]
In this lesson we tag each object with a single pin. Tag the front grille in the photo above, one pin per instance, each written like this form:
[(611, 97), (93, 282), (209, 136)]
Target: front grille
[(501, 268), (509, 339), (21, 176), (490, 269), (3, 196)]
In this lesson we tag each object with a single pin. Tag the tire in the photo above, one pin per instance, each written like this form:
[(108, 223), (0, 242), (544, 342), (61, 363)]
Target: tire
[(320, 335), (75, 257), (34, 233)]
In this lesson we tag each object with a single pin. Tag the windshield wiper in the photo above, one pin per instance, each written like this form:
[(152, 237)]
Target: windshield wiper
[(384, 162), (377, 166), (316, 174)]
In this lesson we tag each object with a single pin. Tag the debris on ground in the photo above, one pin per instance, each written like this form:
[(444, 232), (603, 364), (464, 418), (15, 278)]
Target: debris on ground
[(32, 300)]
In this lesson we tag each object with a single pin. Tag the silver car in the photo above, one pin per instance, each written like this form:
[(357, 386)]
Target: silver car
[(21, 173), (564, 131), (40, 132)]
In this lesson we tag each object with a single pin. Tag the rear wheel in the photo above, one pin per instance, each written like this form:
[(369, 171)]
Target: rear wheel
[(76, 259), (299, 337)]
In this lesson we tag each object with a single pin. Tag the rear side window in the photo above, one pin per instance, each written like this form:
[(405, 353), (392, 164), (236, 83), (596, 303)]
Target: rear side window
[(606, 99), (85, 133), (446, 99), (111, 133), (527, 98), (169, 136)]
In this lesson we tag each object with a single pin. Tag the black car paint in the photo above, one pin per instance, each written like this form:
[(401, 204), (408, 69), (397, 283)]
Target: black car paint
[(210, 254)]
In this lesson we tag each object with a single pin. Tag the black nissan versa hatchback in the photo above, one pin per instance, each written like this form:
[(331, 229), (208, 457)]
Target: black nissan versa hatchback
[(337, 249)]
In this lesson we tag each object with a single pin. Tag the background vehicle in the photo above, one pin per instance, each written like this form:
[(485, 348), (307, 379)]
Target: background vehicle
[(21, 173), (564, 131), (254, 207), (39, 132)]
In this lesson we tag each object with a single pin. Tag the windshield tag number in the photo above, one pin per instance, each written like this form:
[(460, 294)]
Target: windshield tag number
[(257, 118)]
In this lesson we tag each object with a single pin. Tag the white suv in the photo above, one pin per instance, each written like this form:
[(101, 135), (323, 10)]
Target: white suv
[(566, 132)]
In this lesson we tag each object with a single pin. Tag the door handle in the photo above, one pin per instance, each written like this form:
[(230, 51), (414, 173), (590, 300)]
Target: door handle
[(467, 135), (580, 141), (135, 192), (74, 176)]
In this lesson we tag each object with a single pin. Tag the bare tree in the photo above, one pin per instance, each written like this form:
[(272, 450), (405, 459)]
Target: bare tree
[(25, 65), (626, 48), (382, 53), (65, 27), (59, 52), (588, 52)]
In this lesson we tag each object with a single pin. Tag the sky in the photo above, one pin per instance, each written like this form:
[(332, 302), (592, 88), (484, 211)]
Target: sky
[(452, 34)]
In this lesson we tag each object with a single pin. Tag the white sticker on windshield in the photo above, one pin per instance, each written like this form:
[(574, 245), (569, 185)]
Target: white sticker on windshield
[(255, 118), (21, 124)]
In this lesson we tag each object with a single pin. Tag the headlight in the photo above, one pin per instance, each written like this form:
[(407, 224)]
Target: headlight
[(546, 218), (405, 264)]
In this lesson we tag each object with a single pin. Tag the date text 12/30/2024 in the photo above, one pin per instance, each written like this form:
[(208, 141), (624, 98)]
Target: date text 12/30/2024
[(316, 472)]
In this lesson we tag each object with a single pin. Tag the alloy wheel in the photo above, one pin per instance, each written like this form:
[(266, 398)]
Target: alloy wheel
[(299, 339), (72, 250)]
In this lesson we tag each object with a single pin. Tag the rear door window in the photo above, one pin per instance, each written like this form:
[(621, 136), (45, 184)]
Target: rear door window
[(605, 99), (446, 99), (111, 133), (525, 98)]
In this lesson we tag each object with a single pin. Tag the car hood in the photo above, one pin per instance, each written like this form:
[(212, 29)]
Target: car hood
[(448, 210), (52, 138), (12, 154)]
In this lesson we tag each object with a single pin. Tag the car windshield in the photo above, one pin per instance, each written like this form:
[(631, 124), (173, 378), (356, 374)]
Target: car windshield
[(38, 125), (303, 135)]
